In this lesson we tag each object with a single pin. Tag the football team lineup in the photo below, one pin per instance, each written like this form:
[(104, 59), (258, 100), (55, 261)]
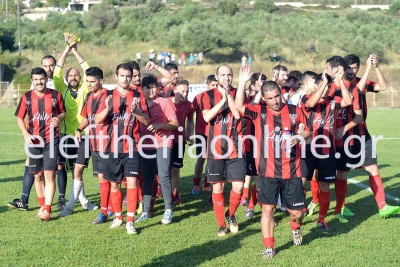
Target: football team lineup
[(304, 132)]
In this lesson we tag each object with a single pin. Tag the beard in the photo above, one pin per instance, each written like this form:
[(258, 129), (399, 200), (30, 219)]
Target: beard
[(73, 84)]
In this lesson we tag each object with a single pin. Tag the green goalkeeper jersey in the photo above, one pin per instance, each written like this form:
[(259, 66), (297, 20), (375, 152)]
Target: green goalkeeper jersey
[(73, 106)]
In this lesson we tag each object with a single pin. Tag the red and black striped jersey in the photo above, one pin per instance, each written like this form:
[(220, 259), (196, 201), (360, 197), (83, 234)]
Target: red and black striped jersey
[(287, 90), (136, 88), (369, 87), (40, 110), (223, 130), (122, 123), (89, 110), (201, 124), (322, 120), (272, 159), (183, 111), (346, 115)]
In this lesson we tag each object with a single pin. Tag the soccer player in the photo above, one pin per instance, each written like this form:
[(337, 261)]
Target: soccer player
[(256, 80), (280, 76), (308, 87), (97, 94), (321, 109), (74, 95), (293, 83), (278, 160), (45, 110), (166, 78), (121, 113), (201, 144), (361, 146), (156, 145), (364, 84), (184, 113), (223, 161), (48, 64)]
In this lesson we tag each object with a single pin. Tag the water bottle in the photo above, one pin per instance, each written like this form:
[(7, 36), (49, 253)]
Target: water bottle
[(286, 134)]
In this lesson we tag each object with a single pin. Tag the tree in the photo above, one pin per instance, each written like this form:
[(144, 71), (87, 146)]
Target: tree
[(155, 5), (102, 16), (394, 7), (228, 7), (267, 5)]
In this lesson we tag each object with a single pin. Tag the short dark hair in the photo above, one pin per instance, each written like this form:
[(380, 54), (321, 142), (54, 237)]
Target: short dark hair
[(280, 67), (181, 81), (269, 86), (309, 74), (295, 75), (211, 78), (49, 56), (38, 71), (94, 72), (134, 65), (149, 79), (124, 66), (337, 61), (351, 59), (318, 78), (171, 66), (255, 76)]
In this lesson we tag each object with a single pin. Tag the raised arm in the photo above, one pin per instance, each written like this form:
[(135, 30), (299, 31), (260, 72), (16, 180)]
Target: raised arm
[(372, 60), (244, 77), (167, 77), (313, 100), (339, 79)]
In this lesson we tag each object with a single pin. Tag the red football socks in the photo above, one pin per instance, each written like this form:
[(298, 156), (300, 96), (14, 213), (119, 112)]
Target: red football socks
[(131, 203), (324, 201), (219, 207), (269, 242), (234, 201), (104, 197), (375, 182), (116, 199), (314, 190)]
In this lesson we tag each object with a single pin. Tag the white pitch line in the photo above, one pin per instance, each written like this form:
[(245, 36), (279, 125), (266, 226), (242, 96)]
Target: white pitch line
[(5, 133), (360, 184)]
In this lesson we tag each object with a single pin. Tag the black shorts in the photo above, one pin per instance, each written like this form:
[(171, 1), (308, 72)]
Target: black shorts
[(366, 153), (251, 169), (218, 169), (96, 162), (342, 160), (177, 161), (78, 153), (48, 161), (201, 147), (121, 166), (326, 168), (291, 191)]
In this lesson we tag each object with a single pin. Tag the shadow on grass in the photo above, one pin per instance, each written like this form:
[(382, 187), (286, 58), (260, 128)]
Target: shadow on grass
[(4, 209), (197, 255), (12, 162), (11, 179)]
